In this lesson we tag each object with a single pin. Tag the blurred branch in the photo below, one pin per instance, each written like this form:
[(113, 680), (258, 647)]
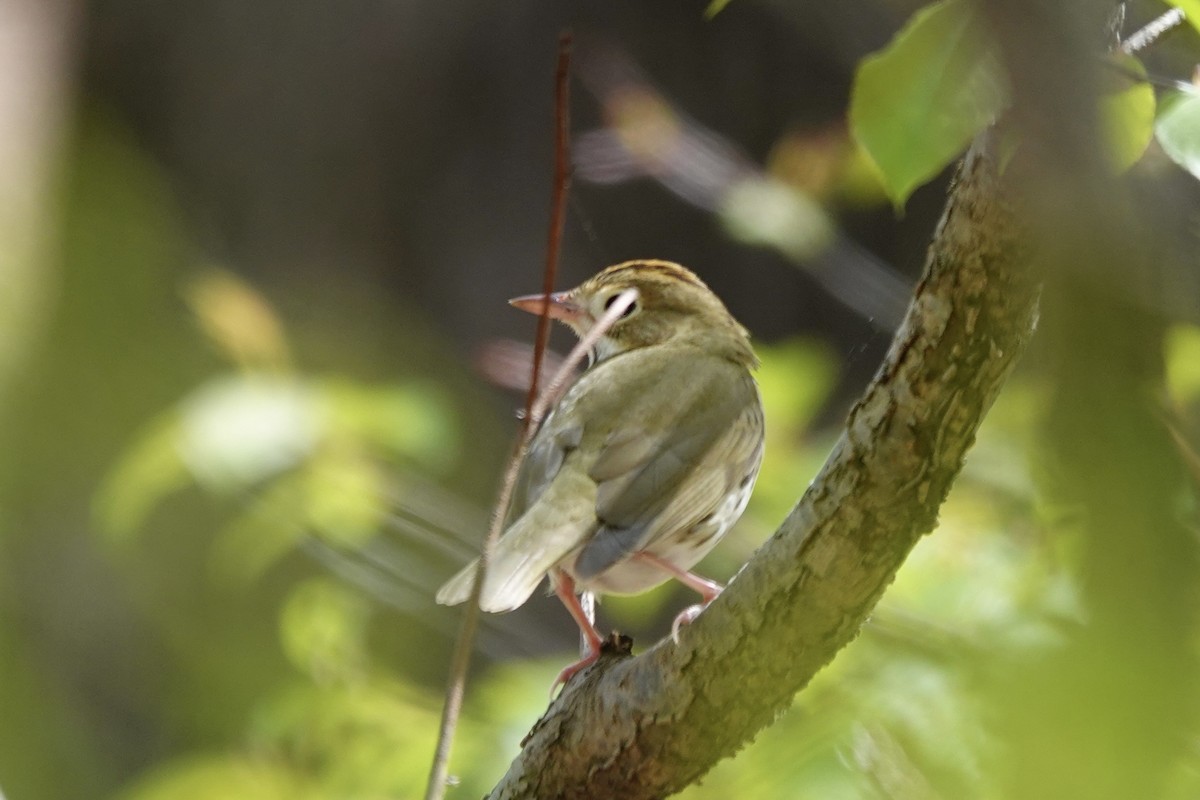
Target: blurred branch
[(35, 58), (648, 726), (646, 136), (1122, 687)]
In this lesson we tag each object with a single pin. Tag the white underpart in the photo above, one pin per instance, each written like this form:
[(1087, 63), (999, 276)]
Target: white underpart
[(684, 550)]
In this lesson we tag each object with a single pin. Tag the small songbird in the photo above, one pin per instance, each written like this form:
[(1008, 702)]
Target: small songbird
[(644, 463)]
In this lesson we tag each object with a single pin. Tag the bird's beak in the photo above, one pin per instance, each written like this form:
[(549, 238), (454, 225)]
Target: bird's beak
[(561, 306)]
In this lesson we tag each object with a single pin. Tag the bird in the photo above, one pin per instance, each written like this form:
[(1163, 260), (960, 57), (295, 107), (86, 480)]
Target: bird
[(646, 460)]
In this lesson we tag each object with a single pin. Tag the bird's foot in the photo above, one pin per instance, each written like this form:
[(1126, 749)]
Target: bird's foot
[(569, 671), (708, 591), (616, 644), (686, 617)]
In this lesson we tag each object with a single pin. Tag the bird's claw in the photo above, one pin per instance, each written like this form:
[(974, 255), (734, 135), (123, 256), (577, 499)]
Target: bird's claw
[(686, 617), (569, 671)]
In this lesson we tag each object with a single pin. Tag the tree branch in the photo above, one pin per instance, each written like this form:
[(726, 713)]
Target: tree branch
[(648, 726)]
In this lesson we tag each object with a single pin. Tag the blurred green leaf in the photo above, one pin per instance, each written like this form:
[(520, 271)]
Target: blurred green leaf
[(715, 7), (925, 705), (323, 630), (241, 429), (149, 470), (769, 212), (264, 533), (238, 320), (345, 497), (221, 777), (341, 497), (1183, 363), (365, 739), (1178, 128), (795, 378), (411, 420), (917, 103), (1127, 115)]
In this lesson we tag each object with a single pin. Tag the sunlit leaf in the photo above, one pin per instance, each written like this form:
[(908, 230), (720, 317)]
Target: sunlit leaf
[(1183, 363), (267, 531), (219, 778), (925, 705), (345, 497), (918, 102), (861, 183), (794, 379), (237, 319), (412, 420), (148, 471), (769, 212), (1127, 115), (239, 430), (323, 626), (715, 7), (367, 739), (1178, 129)]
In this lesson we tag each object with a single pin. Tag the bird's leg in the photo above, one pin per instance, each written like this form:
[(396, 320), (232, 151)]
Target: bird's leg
[(564, 587), (708, 590)]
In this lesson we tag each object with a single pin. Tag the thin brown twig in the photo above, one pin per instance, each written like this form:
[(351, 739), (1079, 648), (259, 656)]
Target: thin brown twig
[(462, 649), (562, 181), (461, 659), (565, 372)]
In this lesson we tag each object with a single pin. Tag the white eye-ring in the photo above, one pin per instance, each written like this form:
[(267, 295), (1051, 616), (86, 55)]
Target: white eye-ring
[(628, 312)]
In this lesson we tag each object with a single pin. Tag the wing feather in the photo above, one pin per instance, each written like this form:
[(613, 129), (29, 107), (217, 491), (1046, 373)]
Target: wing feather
[(664, 471)]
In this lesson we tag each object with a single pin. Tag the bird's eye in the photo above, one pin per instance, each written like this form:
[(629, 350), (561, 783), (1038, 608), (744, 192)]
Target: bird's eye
[(628, 312)]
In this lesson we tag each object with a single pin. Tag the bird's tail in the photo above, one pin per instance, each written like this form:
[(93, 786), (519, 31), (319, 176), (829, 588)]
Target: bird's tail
[(511, 579)]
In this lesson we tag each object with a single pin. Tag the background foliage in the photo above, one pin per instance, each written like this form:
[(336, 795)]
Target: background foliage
[(254, 334)]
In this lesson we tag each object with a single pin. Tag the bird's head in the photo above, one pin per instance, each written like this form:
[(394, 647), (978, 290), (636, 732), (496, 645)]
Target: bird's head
[(672, 306)]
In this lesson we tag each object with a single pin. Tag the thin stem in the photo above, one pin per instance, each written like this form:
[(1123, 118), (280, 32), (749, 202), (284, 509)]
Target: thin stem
[(562, 181), (555, 388), (463, 646), (1149, 33)]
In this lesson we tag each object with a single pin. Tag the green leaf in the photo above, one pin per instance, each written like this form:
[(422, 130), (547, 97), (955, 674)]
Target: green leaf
[(345, 497), (208, 778), (413, 420), (1178, 129), (323, 628), (146, 473), (715, 7), (242, 429), (1127, 115), (769, 212), (795, 379), (918, 102), (267, 531), (371, 738), (1183, 363)]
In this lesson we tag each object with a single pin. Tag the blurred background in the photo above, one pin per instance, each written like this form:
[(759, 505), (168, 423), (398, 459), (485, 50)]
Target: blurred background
[(256, 390)]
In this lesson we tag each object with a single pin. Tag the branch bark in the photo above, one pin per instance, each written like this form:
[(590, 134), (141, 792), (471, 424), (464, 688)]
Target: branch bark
[(647, 726)]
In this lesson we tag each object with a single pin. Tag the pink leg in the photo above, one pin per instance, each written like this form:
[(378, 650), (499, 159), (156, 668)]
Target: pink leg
[(708, 590), (564, 587)]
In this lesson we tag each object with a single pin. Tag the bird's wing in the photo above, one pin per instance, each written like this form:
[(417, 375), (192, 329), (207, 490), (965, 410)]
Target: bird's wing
[(616, 463), (670, 461), (550, 514)]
